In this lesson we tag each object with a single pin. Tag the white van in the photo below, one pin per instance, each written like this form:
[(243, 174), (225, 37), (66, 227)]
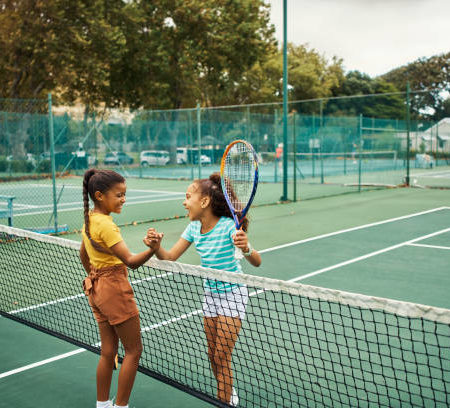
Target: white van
[(182, 156), (154, 158)]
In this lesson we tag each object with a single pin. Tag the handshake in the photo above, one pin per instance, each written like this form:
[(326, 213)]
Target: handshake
[(153, 239)]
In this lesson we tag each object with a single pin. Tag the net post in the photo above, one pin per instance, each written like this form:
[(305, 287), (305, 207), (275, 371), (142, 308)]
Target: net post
[(408, 124), (52, 158)]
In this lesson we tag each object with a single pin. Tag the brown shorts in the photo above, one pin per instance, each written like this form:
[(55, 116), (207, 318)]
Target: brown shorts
[(110, 294)]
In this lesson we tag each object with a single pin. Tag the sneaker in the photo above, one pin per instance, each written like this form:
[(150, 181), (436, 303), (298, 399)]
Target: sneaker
[(234, 400), (109, 404)]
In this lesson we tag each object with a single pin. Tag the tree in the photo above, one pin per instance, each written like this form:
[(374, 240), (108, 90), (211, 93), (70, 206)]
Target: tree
[(310, 76), (60, 46), (382, 101), (202, 49), (431, 75)]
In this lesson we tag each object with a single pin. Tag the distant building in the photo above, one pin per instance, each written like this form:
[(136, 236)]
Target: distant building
[(438, 133)]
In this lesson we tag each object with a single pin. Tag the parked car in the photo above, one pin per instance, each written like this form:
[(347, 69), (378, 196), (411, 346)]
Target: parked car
[(116, 158), (29, 157), (182, 156), (204, 159), (185, 155), (154, 158)]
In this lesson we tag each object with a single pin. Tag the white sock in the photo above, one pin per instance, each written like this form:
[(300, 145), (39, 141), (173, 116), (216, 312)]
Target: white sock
[(121, 406), (104, 404)]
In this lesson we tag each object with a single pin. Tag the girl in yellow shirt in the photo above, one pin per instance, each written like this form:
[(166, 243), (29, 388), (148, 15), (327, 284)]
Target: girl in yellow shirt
[(105, 257)]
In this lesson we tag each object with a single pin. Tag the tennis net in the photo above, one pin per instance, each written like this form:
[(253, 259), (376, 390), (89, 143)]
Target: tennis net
[(299, 346)]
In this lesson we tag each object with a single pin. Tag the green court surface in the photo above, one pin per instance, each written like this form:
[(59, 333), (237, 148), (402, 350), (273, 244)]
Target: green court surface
[(159, 199), (384, 243)]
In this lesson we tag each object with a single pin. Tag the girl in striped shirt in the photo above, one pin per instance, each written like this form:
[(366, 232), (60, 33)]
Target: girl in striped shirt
[(214, 234)]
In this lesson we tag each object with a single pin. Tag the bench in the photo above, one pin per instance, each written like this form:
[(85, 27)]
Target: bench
[(8, 211)]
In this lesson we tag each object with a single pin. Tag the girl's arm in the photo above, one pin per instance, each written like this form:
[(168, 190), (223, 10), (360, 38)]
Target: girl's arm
[(254, 258), (173, 253), (133, 261), (85, 258), (241, 241)]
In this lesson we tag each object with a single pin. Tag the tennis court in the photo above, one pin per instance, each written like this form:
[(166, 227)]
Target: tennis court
[(388, 244), (34, 201)]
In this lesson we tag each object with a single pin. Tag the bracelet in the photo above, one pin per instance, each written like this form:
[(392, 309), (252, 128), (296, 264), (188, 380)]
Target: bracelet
[(250, 250)]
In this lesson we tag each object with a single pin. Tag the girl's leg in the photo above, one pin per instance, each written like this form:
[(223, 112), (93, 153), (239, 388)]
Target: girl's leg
[(129, 333), (227, 334), (110, 344), (210, 324)]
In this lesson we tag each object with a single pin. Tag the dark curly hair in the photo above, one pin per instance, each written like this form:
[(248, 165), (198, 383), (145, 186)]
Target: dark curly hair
[(212, 188), (97, 180)]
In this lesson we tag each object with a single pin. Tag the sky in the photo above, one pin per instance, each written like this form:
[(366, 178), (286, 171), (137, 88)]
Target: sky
[(371, 36)]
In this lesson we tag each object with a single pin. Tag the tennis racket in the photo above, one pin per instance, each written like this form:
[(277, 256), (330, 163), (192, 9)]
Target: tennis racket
[(239, 179)]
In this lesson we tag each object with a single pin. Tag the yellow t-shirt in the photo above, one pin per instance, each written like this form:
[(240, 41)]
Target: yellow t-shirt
[(107, 234)]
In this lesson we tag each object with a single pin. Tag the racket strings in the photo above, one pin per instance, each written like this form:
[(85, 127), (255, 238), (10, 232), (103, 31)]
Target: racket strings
[(239, 175)]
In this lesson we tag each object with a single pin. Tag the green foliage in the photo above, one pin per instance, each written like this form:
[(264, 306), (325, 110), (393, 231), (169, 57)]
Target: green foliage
[(310, 76), (137, 53), (390, 105), (3, 164), (432, 74), (63, 46), (44, 166), (171, 54)]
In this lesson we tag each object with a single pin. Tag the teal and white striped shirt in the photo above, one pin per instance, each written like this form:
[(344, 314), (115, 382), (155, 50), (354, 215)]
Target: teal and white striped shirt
[(216, 250)]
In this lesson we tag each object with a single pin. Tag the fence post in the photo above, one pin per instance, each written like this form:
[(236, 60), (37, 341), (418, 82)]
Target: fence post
[(408, 125), (275, 173), (189, 151), (321, 142), (360, 150), (284, 197), (52, 158), (437, 143), (199, 140), (313, 144), (294, 150)]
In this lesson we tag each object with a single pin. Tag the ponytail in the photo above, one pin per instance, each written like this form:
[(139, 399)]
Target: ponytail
[(212, 187), (87, 176)]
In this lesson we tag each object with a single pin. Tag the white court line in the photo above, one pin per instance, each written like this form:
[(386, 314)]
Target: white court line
[(130, 200), (81, 206), (20, 206), (433, 174), (369, 255), (352, 229), (60, 186), (430, 246), (40, 363), (61, 300), (317, 272)]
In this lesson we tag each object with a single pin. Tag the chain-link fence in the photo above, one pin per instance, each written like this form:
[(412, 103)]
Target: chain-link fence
[(334, 146)]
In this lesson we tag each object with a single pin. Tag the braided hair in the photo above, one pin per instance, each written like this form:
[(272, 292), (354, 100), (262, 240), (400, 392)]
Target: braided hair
[(212, 188), (97, 180)]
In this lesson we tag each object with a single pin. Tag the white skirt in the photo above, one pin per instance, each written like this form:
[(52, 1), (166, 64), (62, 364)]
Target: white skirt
[(230, 304)]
